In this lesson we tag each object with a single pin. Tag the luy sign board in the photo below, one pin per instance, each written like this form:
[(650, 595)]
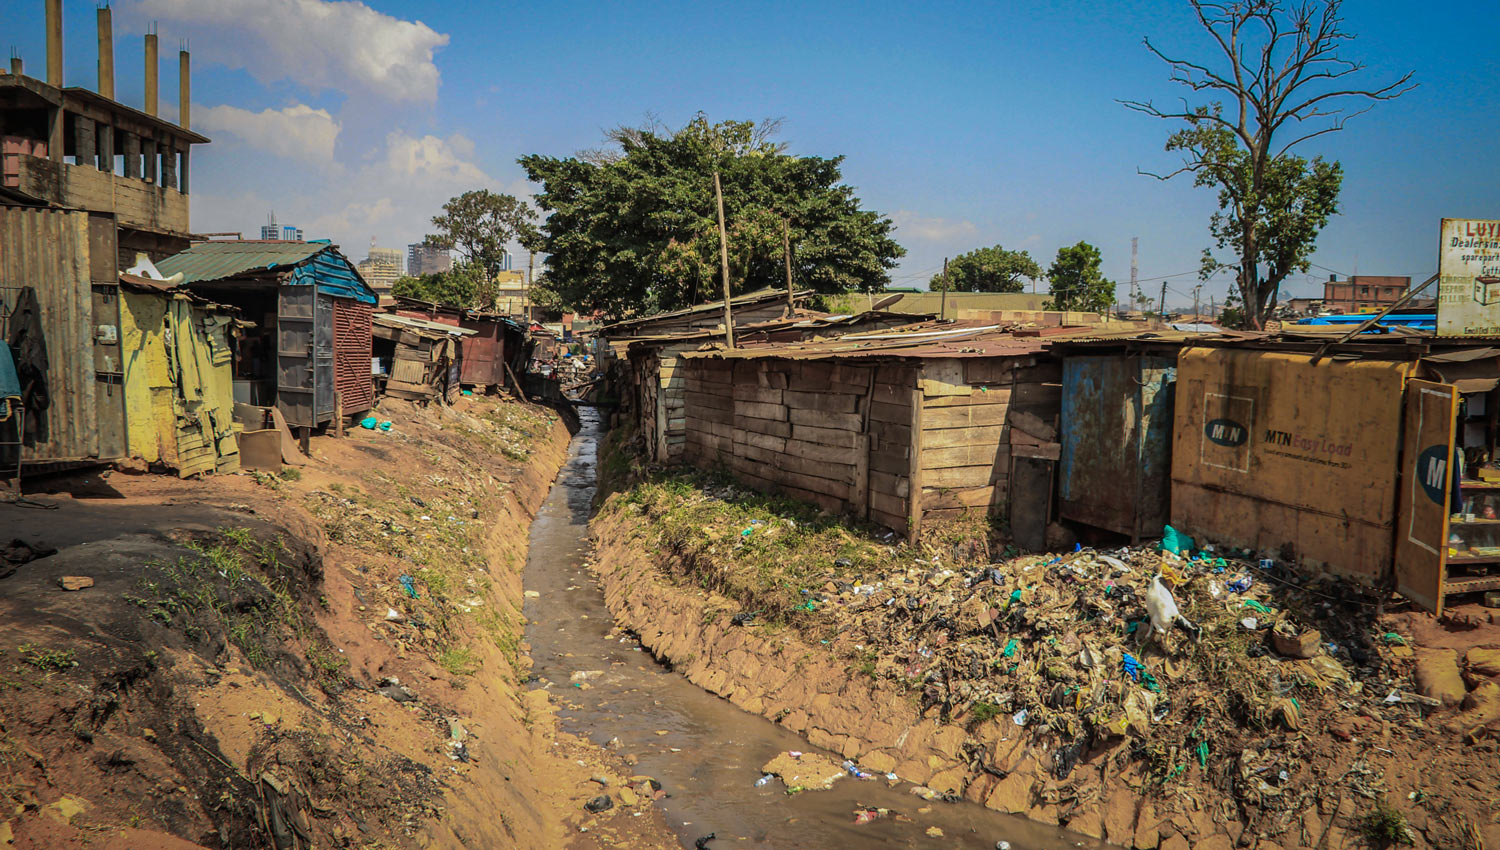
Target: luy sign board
[(1468, 302)]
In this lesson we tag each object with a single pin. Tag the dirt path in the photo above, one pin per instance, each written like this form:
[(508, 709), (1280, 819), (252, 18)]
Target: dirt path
[(351, 632)]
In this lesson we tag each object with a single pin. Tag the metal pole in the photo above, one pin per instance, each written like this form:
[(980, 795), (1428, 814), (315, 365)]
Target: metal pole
[(943, 313), (724, 261), (786, 246)]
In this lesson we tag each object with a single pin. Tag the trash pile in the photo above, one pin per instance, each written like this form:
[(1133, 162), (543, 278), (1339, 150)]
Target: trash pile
[(1186, 654)]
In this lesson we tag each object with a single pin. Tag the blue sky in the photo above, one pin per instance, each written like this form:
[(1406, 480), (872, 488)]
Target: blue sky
[(970, 124)]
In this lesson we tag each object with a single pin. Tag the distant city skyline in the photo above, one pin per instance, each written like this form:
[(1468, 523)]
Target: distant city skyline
[(967, 127), (274, 231)]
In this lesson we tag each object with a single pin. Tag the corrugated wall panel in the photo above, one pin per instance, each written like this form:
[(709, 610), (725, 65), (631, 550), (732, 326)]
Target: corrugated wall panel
[(48, 250), (351, 354)]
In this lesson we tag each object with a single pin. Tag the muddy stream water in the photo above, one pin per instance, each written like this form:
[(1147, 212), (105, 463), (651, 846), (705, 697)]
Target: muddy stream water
[(709, 757)]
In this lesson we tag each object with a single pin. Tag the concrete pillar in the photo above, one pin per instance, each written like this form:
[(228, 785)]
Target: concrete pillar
[(151, 68), (183, 170), (148, 160), (83, 139), (16, 66), (54, 43), (55, 119), (106, 53), (169, 168), (132, 145), (106, 148), (184, 88)]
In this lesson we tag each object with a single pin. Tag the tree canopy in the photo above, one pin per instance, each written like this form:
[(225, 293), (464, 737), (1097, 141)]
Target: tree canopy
[(988, 270), (479, 224), (465, 285), (1276, 78), (633, 228), (1077, 283)]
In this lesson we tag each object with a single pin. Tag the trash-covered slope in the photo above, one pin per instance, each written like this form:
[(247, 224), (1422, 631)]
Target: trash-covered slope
[(1270, 697)]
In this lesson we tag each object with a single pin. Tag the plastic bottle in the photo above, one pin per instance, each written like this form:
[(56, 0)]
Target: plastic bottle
[(761, 782)]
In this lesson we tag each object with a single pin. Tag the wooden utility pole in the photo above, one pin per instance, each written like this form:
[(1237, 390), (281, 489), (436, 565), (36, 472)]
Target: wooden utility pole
[(724, 262), (1196, 290), (1161, 312), (786, 246), (526, 293), (943, 312)]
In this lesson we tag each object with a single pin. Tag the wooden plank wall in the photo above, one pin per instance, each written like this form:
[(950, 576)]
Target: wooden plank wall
[(976, 414), (836, 435)]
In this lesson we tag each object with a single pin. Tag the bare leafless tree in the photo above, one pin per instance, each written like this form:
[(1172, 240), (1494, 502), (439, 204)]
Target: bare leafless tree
[(1275, 80)]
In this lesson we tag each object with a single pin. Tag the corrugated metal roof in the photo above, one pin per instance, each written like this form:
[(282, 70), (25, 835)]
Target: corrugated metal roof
[(218, 260), (315, 263), (932, 340), (391, 320), (757, 297)]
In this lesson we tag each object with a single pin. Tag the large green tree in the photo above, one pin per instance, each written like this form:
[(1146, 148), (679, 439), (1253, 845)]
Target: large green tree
[(479, 224), (988, 270), (464, 285), (1077, 283), (632, 228), (1274, 78)]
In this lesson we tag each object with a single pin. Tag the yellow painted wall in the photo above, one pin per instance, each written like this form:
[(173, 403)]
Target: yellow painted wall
[(150, 422), (179, 384)]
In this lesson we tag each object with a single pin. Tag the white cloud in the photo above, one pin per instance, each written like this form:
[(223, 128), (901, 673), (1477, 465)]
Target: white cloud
[(931, 229), (297, 132), (321, 44), (430, 158)]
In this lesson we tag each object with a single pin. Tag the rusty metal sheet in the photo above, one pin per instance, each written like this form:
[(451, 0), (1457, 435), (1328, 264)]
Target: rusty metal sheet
[(49, 251), (1274, 453), (1426, 475), (1115, 470), (483, 361)]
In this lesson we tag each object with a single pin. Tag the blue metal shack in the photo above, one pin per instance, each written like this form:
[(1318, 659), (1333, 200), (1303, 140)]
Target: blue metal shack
[(1116, 463), (309, 352)]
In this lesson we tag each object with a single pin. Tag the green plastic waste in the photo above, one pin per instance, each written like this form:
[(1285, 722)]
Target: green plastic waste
[(1253, 604), (1175, 541), (1010, 648)]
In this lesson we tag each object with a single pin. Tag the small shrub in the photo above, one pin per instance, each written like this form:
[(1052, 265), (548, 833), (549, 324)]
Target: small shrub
[(47, 659), (981, 712), (1385, 825), (459, 661)]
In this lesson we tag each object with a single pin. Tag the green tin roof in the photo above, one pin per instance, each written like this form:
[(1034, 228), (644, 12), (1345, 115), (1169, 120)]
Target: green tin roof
[(311, 263), (218, 260)]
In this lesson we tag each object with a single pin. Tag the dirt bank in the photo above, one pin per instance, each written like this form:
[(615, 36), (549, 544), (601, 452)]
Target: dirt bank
[(334, 653), (1330, 776)]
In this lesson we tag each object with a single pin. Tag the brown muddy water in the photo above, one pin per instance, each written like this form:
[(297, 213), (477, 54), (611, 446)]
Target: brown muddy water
[(710, 756)]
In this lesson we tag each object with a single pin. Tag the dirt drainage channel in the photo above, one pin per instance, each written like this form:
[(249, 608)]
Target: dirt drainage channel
[(706, 752)]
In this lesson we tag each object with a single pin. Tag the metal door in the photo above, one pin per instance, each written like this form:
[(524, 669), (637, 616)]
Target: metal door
[(323, 387), (1425, 494), (295, 314), (109, 362)]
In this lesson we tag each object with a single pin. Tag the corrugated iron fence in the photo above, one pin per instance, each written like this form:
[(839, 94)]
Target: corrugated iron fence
[(46, 254), (351, 354)]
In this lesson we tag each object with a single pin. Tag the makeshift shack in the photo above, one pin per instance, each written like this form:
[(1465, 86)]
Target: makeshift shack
[(1116, 432), (762, 305), (655, 389), (901, 426), (60, 317), (493, 344), (415, 359), (308, 350), (179, 393)]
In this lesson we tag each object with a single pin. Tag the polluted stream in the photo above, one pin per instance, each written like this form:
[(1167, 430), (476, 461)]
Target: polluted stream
[(706, 752)]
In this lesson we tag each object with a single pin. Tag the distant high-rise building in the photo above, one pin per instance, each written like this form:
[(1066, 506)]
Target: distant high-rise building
[(422, 258), (381, 269), (273, 232)]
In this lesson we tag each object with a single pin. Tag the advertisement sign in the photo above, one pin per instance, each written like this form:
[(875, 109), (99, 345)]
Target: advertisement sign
[(1468, 301)]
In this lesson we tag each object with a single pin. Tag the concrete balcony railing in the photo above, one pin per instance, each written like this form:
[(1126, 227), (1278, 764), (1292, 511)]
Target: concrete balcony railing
[(136, 203)]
